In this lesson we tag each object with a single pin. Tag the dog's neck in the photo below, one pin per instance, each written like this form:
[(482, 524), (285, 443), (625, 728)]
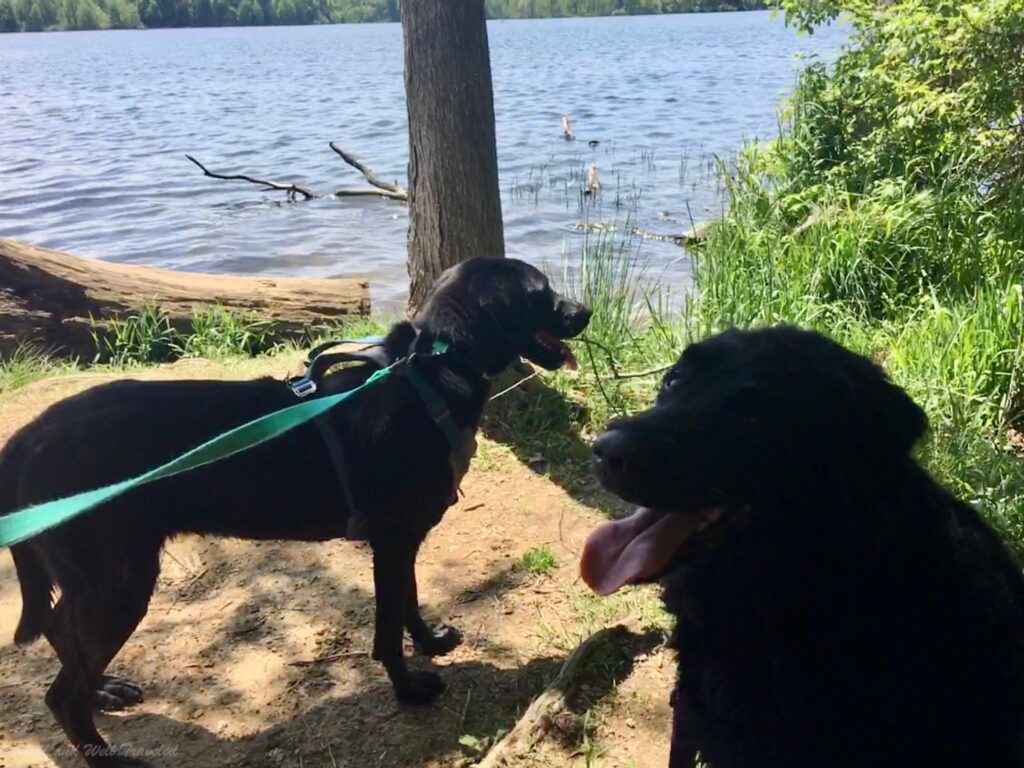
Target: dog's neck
[(861, 493), (457, 374)]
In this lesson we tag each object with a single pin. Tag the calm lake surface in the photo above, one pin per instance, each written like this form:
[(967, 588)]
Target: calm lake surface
[(94, 127)]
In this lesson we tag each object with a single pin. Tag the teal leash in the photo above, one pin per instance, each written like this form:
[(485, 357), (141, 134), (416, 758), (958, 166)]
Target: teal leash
[(23, 524)]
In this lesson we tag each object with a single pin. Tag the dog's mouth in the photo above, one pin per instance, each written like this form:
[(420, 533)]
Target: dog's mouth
[(550, 352), (640, 547)]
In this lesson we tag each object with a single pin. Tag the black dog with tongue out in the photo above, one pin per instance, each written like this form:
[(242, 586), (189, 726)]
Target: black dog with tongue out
[(836, 608), (402, 473)]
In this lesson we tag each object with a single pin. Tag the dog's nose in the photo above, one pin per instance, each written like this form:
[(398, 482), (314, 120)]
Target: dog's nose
[(611, 458), (581, 317), (574, 315)]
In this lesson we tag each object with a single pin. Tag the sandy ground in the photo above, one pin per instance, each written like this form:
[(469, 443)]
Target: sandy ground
[(255, 654)]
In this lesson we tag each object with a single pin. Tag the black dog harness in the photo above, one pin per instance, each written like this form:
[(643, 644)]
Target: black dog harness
[(319, 362)]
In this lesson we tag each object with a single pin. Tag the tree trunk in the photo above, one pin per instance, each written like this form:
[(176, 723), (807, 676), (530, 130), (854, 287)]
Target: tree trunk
[(455, 204), (55, 300)]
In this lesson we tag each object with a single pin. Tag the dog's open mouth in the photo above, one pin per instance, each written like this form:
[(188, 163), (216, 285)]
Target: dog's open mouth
[(639, 547), (557, 347)]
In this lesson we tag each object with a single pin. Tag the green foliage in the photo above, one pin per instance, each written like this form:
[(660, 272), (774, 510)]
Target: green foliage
[(539, 561), (531, 9), (8, 19), (250, 13), (90, 16), (148, 336), (889, 215), (30, 363), (217, 332), (144, 337), (123, 15)]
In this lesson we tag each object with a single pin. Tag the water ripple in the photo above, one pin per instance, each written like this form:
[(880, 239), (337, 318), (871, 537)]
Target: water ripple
[(95, 127)]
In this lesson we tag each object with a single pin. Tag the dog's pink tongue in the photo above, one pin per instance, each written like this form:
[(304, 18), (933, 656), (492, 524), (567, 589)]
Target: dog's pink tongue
[(568, 358), (635, 548)]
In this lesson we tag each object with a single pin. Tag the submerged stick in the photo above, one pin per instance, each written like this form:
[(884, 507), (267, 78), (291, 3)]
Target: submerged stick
[(384, 188), (292, 190)]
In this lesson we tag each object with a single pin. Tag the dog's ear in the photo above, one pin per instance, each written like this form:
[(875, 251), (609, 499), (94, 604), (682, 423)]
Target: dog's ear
[(886, 418)]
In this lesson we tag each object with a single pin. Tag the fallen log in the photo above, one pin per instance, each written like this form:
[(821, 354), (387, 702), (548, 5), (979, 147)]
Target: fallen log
[(56, 300)]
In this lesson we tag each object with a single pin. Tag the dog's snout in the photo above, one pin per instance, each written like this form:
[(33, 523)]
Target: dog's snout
[(612, 458), (576, 315)]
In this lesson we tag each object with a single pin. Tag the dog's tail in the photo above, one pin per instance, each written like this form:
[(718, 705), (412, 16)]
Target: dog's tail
[(36, 594)]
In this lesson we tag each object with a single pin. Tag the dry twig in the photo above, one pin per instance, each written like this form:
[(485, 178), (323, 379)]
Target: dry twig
[(543, 714)]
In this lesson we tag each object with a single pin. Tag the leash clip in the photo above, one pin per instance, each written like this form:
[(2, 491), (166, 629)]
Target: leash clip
[(402, 365), (303, 387)]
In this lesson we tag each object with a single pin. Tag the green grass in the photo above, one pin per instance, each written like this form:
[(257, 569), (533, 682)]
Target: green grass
[(30, 363), (148, 336), (876, 274), (539, 561)]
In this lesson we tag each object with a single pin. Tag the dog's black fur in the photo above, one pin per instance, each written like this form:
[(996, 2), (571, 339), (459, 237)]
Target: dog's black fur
[(844, 610), (105, 562)]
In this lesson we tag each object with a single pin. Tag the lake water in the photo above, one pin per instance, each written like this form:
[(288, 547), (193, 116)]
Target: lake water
[(94, 127)]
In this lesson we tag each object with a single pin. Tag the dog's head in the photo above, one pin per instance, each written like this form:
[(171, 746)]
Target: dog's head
[(745, 421), (500, 309)]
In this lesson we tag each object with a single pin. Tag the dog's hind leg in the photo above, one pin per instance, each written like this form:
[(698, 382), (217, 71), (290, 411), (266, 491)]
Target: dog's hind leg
[(87, 631), (430, 641), (392, 569)]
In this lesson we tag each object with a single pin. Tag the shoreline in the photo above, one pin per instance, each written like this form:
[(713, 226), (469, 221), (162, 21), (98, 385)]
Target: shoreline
[(143, 28)]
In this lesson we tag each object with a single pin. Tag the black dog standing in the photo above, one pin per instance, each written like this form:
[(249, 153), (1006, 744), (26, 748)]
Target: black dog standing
[(402, 477), (835, 607)]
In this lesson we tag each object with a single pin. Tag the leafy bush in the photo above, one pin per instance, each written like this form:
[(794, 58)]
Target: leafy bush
[(889, 215)]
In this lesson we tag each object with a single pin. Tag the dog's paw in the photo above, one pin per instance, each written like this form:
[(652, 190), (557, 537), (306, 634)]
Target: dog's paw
[(420, 688), (443, 639), (115, 694)]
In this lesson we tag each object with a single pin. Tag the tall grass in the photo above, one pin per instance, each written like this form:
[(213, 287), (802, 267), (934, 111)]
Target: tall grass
[(911, 277), (30, 363), (148, 336)]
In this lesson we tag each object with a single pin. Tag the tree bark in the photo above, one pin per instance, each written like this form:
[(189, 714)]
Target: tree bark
[(55, 300), (455, 204)]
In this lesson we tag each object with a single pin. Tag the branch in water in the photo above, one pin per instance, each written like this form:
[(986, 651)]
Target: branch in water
[(292, 190), (384, 188)]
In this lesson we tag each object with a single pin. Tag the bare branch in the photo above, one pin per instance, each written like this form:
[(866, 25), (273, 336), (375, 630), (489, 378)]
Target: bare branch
[(401, 195), (292, 190), (388, 190), (696, 234), (554, 709)]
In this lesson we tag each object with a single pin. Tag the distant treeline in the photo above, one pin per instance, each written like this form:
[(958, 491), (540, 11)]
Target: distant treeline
[(39, 15)]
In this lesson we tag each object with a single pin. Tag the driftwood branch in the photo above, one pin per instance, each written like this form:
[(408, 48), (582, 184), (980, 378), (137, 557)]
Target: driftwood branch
[(383, 188), (812, 218), (292, 190), (558, 699), (698, 233)]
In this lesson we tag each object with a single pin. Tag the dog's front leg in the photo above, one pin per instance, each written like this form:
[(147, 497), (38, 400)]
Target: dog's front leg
[(392, 582), (430, 641)]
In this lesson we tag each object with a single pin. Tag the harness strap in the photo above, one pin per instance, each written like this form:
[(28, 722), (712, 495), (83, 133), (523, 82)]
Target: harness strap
[(358, 526), (434, 404)]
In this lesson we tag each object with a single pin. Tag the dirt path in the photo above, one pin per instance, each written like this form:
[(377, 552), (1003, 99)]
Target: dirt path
[(227, 653)]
